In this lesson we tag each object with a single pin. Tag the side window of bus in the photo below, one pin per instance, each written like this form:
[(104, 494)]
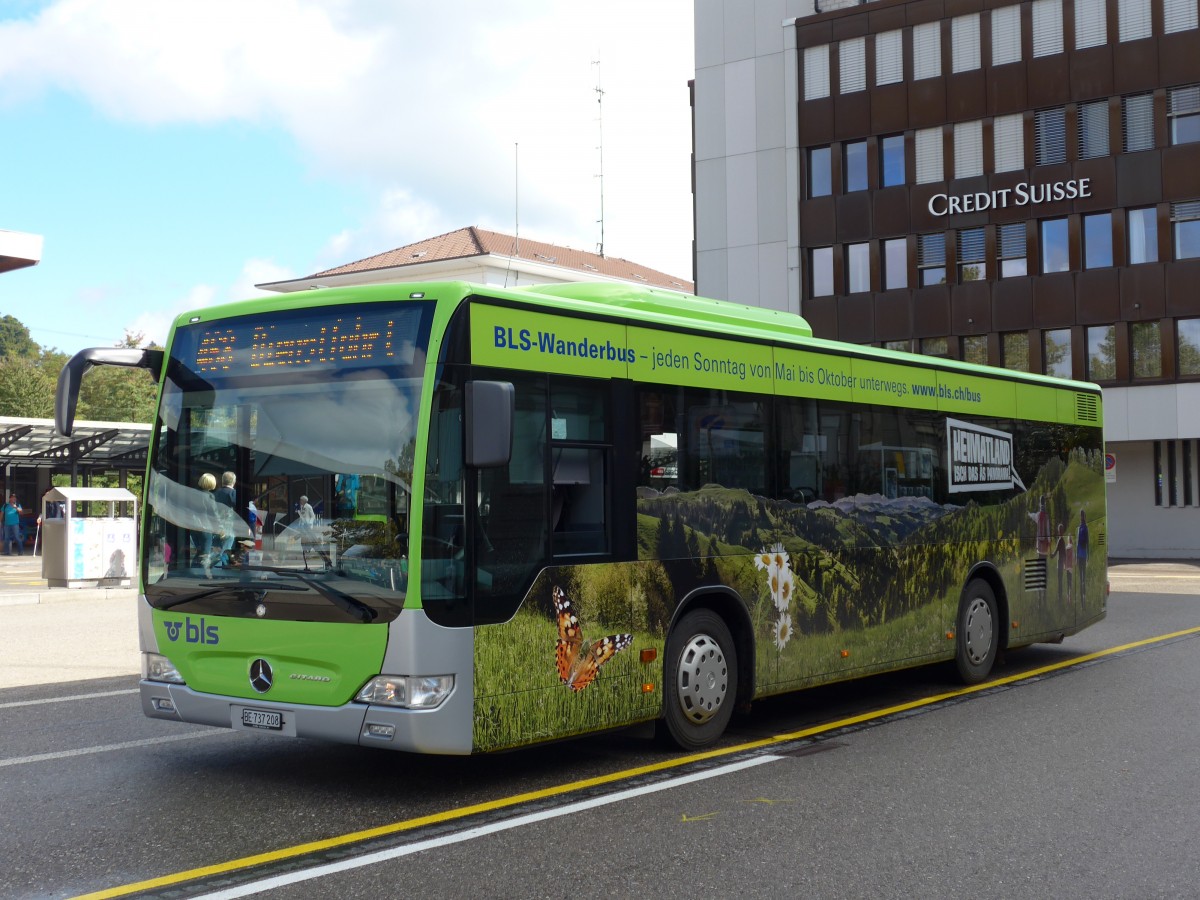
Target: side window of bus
[(579, 454), (695, 437), (513, 504)]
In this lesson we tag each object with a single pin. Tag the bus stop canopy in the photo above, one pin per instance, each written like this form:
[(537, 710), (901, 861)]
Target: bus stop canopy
[(94, 445)]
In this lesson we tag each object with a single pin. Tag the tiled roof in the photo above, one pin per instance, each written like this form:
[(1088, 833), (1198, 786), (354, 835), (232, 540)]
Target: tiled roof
[(468, 242)]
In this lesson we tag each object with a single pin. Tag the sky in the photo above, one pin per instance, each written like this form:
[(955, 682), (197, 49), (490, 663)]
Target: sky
[(174, 154)]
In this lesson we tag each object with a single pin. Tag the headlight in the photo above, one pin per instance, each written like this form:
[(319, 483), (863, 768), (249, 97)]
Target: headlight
[(408, 691), (156, 667)]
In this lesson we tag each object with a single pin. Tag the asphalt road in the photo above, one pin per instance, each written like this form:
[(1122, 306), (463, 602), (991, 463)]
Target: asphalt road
[(1080, 781)]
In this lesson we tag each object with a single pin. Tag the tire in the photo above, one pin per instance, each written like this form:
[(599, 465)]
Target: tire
[(978, 633), (700, 680)]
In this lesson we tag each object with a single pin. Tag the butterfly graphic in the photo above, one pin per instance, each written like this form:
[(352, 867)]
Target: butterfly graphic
[(577, 664)]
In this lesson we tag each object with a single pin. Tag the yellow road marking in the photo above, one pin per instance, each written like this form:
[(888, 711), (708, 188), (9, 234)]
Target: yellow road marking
[(463, 812)]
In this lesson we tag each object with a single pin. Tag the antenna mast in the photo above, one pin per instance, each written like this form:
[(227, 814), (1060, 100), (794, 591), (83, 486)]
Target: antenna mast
[(600, 119)]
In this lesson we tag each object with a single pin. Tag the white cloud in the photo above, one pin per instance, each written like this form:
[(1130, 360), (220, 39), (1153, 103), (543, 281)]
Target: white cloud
[(423, 104)]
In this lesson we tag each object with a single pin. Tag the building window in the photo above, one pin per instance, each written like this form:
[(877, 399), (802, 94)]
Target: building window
[(1008, 135), (854, 164), (1188, 341), (1006, 35), (1158, 474), (1178, 15), (852, 64), (1093, 129), (1047, 27), (936, 347), (889, 57), (1143, 235), (1102, 353), (816, 72), (891, 168), (1183, 113), (931, 259), (1185, 219), (895, 264), (1010, 246), (971, 263), (1056, 352), (1014, 351), (898, 346), (927, 50), (1137, 114), (858, 268), (1056, 256), (975, 349), (964, 43), (968, 149), (1050, 136), (1091, 23), (928, 144), (1145, 342), (1097, 241), (1133, 19), (821, 271), (820, 172)]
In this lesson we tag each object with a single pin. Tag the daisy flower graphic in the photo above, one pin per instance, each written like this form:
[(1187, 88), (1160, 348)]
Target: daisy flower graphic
[(782, 631)]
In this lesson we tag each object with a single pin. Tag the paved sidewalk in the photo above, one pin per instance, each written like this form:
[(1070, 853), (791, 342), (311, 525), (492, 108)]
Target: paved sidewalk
[(48, 635)]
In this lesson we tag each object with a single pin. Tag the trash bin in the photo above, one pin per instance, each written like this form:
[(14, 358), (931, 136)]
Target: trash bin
[(83, 550)]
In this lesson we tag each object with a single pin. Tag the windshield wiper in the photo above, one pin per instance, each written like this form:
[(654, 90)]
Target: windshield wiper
[(244, 593), (340, 599)]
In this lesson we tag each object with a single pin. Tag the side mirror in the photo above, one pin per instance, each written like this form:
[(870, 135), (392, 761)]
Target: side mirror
[(491, 406), (67, 395)]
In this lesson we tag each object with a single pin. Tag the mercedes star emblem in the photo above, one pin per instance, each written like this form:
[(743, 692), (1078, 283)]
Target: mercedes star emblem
[(261, 675)]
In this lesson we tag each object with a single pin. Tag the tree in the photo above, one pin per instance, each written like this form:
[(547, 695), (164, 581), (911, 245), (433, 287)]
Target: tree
[(26, 388), (15, 340)]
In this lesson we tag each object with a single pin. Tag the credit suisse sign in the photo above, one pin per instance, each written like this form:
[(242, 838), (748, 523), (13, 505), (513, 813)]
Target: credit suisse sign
[(1024, 194)]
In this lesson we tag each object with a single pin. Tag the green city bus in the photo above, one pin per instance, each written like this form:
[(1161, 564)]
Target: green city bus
[(460, 518)]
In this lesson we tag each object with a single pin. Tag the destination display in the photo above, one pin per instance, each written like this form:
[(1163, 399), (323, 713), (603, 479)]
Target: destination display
[(342, 338)]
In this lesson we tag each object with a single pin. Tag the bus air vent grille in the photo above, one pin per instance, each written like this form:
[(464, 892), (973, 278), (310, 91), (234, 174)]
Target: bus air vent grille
[(1087, 409), (1035, 574)]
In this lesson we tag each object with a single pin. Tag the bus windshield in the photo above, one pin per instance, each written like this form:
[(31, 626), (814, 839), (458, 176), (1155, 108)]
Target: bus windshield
[(282, 464)]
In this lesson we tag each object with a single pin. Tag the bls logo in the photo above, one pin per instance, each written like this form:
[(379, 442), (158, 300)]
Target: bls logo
[(193, 632)]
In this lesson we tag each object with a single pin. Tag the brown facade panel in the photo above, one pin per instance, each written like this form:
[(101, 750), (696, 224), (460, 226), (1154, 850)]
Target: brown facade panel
[(817, 223), (1135, 65), (1139, 178), (1012, 304), (1008, 181), (1102, 184), (821, 315), (1097, 297), (926, 102), (853, 216), (922, 219), (963, 7), (1006, 89), (1143, 292), (814, 34), (966, 96), (1092, 73), (1178, 61), (856, 318), (971, 307), (931, 311), (887, 19), (1183, 288), (1049, 81), (1181, 171), (852, 115), (889, 108), (891, 212), (1054, 300), (816, 122), (893, 316), (924, 11), (849, 27)]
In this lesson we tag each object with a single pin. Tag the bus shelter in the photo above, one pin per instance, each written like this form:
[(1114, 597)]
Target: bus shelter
[(89, 537)]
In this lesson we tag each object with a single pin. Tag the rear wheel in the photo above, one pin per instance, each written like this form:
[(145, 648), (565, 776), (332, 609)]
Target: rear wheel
[(978, 632), (700, 681)]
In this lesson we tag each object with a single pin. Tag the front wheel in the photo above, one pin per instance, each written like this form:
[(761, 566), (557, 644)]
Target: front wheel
[(700, 681), (978, 632)]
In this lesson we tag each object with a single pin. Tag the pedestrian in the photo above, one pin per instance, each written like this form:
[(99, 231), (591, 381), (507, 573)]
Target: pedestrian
[(227, 497), (12, 525), (1081, 556)]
